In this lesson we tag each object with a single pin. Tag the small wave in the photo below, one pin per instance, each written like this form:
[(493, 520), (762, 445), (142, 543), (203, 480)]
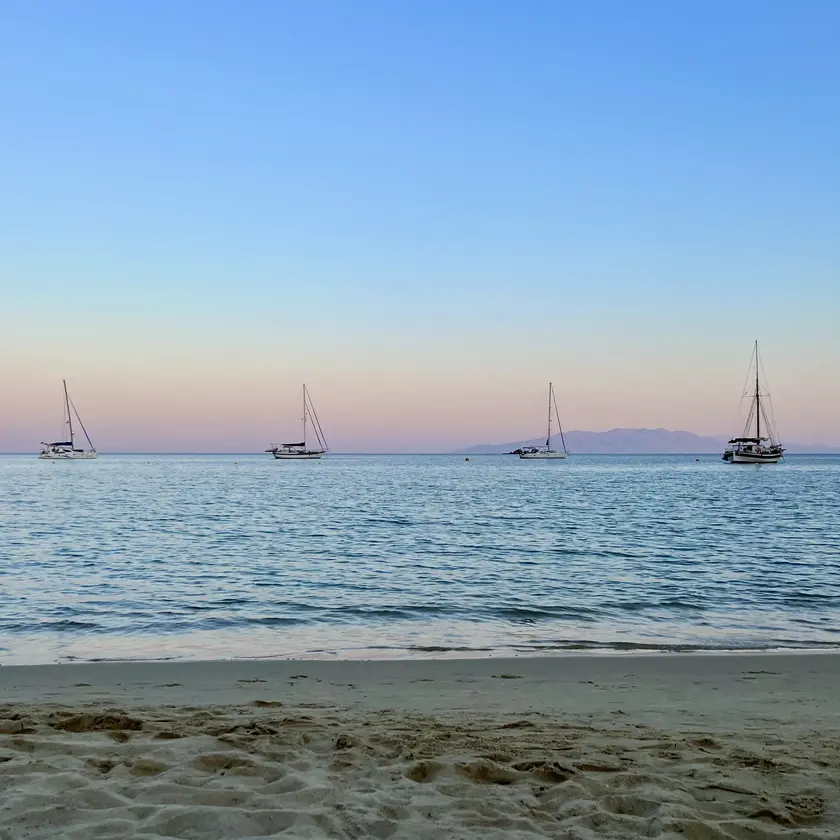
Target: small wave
[(445, 649), (401, 521), (65, 625), (169, 628), (807, 599), (534, 614), (69, 658), (405, 611), (269, 621), (673, 647), (653, 603)]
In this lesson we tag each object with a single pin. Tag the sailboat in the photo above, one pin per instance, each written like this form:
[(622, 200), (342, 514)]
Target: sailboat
[(300, 451), (67, 450), (759, 448), (545, 452)]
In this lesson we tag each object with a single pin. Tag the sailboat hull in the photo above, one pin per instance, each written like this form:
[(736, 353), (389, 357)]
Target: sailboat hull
[(741, 458), (67, 456), (298, 456), (543, 456)]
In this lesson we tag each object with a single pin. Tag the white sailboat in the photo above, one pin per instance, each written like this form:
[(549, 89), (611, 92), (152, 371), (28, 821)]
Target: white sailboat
[(759, 448), (532, 453), (66, 450), (300, 451)]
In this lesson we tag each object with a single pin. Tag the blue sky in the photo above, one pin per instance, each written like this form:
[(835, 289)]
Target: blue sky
[(419, 204)]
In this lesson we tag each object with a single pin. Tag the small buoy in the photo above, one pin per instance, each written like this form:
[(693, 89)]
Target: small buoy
[(696, 459), (466, 459)]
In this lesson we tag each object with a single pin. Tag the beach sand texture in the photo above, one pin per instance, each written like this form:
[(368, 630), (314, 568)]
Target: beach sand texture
[(688, 746)]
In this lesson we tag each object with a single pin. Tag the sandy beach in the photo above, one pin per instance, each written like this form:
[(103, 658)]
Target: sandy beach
[(681, 746)]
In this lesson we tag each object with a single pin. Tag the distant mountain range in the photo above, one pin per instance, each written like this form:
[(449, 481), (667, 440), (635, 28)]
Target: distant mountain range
[(639, 442)]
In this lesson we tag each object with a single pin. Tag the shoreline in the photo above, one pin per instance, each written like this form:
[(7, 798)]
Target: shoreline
[(707, 747), (455, 654), (662, 666)]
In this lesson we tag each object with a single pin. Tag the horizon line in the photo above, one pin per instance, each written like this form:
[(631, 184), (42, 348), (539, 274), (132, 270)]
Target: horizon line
[(449, 454)]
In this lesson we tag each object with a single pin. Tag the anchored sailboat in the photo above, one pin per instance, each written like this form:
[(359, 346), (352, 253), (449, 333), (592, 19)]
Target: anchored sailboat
[(757, 449), (300, 451), (66, 450), (545, 452)]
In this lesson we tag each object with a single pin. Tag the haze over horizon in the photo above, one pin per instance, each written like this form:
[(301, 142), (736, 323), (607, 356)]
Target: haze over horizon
[(424, 211)]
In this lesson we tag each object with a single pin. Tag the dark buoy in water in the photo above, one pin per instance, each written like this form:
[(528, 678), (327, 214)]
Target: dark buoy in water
[(696, 459), (466, 459)]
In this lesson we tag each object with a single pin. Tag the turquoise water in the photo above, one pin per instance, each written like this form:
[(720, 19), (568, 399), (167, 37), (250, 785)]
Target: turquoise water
[(387, 556)]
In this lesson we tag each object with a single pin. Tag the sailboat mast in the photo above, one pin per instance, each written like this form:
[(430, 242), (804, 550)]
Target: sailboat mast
[(757, 398), (304, 415), (548, 439), (69, 414)]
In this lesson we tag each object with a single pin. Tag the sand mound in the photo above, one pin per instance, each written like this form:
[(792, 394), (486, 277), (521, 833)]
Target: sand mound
[(97, 723)]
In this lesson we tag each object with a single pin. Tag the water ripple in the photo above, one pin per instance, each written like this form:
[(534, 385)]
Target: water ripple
[(216, 556)]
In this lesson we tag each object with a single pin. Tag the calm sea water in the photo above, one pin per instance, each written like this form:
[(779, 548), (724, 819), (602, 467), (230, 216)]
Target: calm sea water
[(386, 556)]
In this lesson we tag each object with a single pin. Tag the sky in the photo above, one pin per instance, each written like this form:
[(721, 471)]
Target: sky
[(425, 210)]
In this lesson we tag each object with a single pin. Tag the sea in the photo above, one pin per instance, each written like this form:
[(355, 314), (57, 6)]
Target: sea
[(411, 556)]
